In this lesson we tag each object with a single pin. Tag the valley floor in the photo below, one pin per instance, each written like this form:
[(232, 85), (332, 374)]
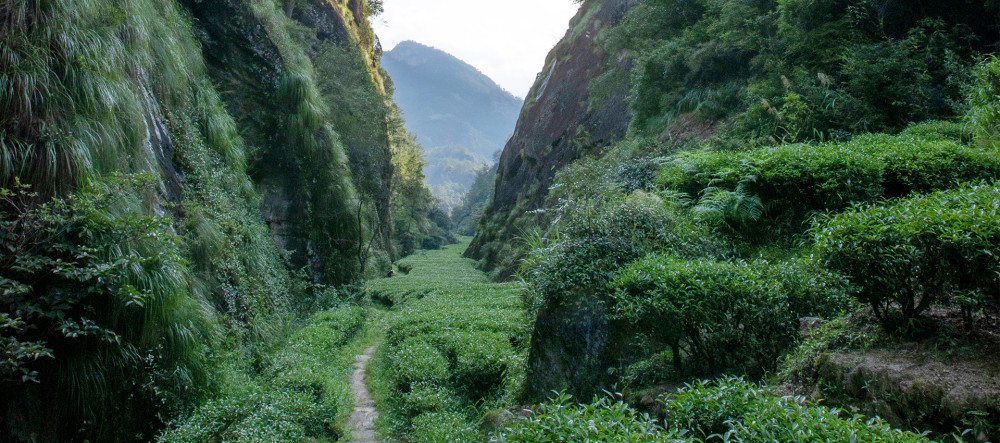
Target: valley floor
[(453, 349)]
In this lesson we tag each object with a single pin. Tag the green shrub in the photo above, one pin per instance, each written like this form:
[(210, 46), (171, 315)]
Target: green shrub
[(985, 112), (924, 165), (415, 360), (728, 409), (796, 181), (575, 341), (479, 360), (98, 319), (444, 427), (909, 255), (428, 397), (714, 316), (605, 419), (735, 410), (595, 239), (939, 130), (811, 289)]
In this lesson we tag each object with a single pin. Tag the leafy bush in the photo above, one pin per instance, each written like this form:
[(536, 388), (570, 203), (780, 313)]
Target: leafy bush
[(939, 130), (603, 420), (97, 315), (909, 255), (985, 113), (301, 393), (734, 410), (714, 316), (593, 240), (811, 289), (444, 427), (795, 181), (415, 360), (427, 396), (728, 409)]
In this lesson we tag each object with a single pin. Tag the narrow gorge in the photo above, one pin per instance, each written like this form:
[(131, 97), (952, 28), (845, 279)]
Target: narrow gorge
[(707, 220)]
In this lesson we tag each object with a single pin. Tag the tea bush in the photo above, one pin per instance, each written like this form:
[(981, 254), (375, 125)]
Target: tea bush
[(301, 394), (594, 239), (811, 289), (714, 316), (728, 409), (984, 114), (940, 130), (906, 256), (796, 181), (732, 409), (444, 427), (605, 419), (453, 346)]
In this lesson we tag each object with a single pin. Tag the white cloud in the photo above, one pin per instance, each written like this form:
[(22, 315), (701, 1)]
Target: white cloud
[(505, 39)]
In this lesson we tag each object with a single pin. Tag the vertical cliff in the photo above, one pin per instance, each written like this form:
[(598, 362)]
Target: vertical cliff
[(168, 169), (565, 117), (273, 66)]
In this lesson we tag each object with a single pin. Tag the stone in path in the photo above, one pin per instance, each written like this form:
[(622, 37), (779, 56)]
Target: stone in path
[(362, 421)]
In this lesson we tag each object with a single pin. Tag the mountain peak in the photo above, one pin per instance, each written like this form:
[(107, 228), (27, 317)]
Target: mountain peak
[(424, 57), (460, 116)]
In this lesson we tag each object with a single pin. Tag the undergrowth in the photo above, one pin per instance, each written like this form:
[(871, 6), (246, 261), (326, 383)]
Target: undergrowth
[(453, 350), (301, 394), (725, 410)]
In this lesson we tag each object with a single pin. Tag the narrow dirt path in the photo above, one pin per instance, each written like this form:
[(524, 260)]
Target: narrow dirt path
[(362, 421)]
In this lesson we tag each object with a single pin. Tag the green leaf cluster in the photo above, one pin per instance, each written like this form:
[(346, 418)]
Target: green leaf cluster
[(907, 256), (795, 181), (719, 316), (727, 409), (99, 318), (731, 409), (605, 419)]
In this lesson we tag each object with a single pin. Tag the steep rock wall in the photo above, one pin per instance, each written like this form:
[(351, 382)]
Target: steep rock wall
[(299, 161), (563, 118), (233, 134)]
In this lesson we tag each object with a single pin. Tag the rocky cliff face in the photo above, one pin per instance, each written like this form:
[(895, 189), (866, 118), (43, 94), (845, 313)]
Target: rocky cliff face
[(254, 176), (563, 119), (311, 211)]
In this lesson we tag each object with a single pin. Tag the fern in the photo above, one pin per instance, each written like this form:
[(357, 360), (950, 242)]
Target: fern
[(736, 206)]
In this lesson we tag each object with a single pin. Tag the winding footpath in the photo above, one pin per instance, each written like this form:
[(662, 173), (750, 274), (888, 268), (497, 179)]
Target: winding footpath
[(362, 420)]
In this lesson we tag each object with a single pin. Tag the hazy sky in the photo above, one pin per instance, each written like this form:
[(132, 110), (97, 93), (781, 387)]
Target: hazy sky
[(505, 39)]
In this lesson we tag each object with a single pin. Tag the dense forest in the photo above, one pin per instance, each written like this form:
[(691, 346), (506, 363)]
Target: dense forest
[(715, 220)]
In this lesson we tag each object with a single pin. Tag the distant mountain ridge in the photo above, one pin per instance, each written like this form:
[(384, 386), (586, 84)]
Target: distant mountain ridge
[(460, 116)]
